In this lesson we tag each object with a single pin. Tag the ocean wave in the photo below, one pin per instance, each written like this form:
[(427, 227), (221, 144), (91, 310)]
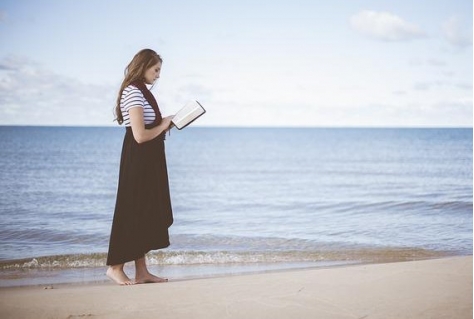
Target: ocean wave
[(414, 207), (365, 255)]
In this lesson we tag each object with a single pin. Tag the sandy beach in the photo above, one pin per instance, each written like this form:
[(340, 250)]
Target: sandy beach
[(439, 288)]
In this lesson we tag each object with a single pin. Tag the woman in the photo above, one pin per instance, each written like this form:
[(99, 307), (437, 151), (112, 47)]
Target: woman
[(143, 211)]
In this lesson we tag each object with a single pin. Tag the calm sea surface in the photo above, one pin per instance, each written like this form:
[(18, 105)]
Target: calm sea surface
[(243, 195)]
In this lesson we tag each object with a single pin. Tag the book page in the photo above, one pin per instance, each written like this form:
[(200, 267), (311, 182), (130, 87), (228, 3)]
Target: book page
[(187, 114)]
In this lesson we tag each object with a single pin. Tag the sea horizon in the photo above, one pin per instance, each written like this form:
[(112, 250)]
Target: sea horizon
[(250, 126)]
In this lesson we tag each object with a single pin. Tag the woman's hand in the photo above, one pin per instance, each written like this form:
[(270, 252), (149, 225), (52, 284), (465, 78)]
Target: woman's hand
[(166, 123), (140, 133)]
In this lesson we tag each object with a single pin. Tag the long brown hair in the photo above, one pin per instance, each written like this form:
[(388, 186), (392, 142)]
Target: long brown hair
[(135, 71)]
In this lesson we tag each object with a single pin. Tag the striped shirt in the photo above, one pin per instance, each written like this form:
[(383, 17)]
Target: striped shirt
[(133, 97)]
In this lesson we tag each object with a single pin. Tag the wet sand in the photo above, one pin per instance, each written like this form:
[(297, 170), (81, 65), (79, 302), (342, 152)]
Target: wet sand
[(438, 288)]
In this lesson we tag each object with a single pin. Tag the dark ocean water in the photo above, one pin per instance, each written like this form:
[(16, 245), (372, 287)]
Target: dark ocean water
[(243, 195)]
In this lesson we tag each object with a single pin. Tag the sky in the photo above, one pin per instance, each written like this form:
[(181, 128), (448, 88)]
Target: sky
[(295, 63)]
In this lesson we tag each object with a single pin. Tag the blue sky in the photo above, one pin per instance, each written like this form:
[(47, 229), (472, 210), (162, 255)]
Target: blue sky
[(250, 63)]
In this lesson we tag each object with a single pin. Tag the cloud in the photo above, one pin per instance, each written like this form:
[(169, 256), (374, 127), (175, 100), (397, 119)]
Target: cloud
[(427, 85), (33, 95), (191, 91), (436, 62), (385, 26), (417, 62), (457, 111), (455, 34)]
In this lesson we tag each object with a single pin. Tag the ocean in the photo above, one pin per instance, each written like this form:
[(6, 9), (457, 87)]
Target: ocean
[(244, 199)]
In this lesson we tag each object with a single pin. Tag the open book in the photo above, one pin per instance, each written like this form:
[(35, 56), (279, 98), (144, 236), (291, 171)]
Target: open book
[(189, 113)]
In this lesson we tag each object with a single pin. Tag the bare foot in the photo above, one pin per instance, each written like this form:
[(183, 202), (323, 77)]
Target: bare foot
[(149, 278), (117, 275)]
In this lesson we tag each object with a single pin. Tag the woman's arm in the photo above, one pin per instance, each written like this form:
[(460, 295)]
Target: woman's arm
[(140, 133)]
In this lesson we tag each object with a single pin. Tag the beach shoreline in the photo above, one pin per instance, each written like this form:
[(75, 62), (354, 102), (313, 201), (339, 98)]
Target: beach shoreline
[(81, 269), (433, 288)]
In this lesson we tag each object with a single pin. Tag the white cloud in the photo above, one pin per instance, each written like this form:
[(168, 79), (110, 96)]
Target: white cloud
[(32, 95), (454, 33), (385, 26), (436, 62)]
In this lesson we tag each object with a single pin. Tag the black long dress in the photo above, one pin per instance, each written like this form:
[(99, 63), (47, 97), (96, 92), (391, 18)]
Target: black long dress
[(143, 210)]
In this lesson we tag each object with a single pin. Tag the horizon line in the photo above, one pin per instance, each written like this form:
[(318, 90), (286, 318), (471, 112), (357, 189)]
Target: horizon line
[(251, 126)]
